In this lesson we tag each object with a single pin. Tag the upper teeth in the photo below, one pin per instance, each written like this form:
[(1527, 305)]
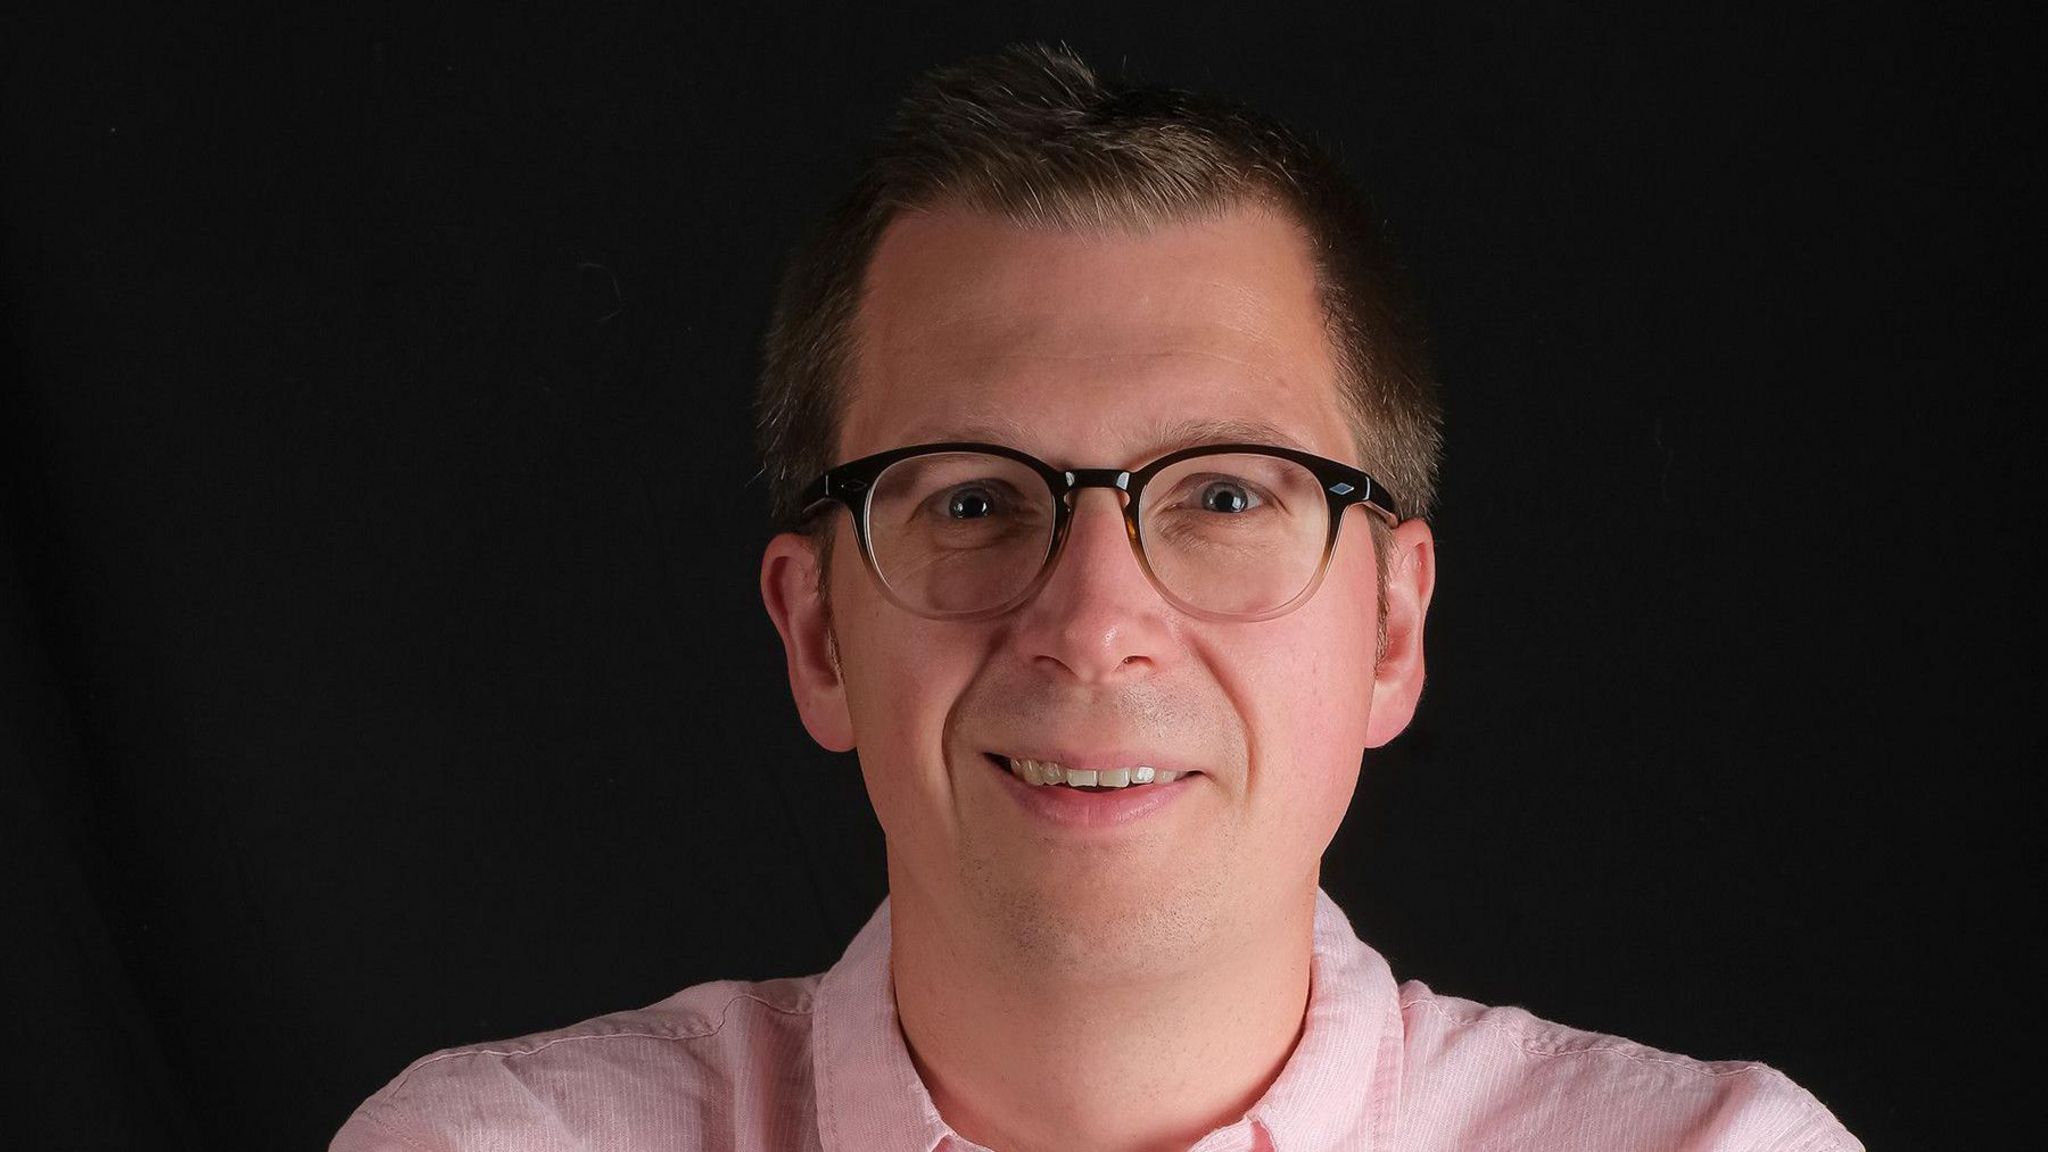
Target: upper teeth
[(1047, 772)]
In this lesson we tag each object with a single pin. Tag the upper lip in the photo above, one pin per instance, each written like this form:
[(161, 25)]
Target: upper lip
[(1101, 760)]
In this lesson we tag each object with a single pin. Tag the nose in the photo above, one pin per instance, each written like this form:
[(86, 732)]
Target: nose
[(1097, 617)]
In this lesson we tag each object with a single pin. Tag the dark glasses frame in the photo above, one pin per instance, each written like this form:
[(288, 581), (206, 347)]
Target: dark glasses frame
[(852, 485)]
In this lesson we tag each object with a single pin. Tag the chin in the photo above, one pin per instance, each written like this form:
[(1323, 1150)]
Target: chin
[(1077, 921)]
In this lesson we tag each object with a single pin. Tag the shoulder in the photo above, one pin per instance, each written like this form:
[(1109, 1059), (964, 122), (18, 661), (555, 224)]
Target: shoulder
[(703, 1068), (1483, 1077)]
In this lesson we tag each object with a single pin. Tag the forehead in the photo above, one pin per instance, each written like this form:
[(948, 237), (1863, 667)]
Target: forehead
[(1092, 347)]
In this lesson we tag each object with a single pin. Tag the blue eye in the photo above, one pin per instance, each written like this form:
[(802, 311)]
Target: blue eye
[(1223, 496)]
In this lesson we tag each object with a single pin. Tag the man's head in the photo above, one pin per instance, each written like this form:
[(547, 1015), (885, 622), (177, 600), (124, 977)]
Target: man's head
[(1098, 277), (1034, 137)]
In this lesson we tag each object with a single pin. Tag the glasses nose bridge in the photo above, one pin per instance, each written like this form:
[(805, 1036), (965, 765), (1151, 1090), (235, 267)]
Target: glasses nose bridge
[(1118, 483), (1116, 480)]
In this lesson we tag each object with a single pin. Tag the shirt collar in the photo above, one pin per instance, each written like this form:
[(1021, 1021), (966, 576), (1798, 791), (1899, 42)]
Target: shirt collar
[(1339, 1089), (869, 1094)]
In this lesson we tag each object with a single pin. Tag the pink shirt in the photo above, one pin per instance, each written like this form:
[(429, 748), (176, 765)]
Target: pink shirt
[(819, 1063)]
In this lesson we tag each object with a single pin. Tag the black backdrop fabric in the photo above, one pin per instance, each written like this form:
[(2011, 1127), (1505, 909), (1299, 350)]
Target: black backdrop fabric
[(383, 663)]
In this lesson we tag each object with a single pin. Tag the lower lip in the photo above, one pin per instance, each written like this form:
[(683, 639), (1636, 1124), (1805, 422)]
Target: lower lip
[(1073, 808)]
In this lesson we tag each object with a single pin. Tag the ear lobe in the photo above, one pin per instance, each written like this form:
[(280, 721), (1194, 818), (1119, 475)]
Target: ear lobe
[(789, 589), (1397, 679)]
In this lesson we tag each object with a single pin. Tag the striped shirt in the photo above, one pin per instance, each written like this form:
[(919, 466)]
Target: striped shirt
[(819, 1063)]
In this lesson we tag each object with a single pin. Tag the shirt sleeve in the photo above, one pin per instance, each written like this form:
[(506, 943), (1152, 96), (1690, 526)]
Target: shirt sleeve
[(368, 1131)]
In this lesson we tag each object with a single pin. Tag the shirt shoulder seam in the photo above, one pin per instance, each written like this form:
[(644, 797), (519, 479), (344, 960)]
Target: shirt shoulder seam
[(486, 1049), (371, 1113), (1601, 1045)]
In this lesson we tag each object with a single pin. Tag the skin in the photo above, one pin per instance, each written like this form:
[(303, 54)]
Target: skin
[(1136, 987)]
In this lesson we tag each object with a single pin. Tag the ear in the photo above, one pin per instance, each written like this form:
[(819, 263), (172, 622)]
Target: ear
[(789, 587), (1397, 681)]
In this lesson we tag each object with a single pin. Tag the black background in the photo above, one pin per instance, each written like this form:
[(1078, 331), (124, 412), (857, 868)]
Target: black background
[(383, 660)]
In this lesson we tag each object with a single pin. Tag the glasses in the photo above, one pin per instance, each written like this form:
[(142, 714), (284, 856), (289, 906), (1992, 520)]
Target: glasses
[(962, 531)]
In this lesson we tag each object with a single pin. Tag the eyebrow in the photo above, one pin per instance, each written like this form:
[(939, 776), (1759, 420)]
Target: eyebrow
[(1188, 433), (1160, 439)]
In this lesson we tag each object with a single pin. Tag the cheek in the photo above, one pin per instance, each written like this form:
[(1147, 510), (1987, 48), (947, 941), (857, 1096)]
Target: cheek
[(873, 651), (1318, 701), (1317, 744), (901, 684)]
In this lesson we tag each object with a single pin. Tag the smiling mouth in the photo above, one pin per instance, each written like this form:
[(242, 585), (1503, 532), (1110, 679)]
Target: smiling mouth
[(1048, 774)]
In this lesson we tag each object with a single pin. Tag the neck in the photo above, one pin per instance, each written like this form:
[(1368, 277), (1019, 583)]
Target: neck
[(1054, 1058)]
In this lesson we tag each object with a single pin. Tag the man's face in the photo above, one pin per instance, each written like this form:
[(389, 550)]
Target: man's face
[(1102, 350)]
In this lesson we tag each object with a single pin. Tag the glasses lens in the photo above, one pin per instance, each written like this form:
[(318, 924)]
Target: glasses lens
[(959, 532), (1237, 534)]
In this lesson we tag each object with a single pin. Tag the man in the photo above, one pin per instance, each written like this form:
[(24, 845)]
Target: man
[(1102, 442)]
